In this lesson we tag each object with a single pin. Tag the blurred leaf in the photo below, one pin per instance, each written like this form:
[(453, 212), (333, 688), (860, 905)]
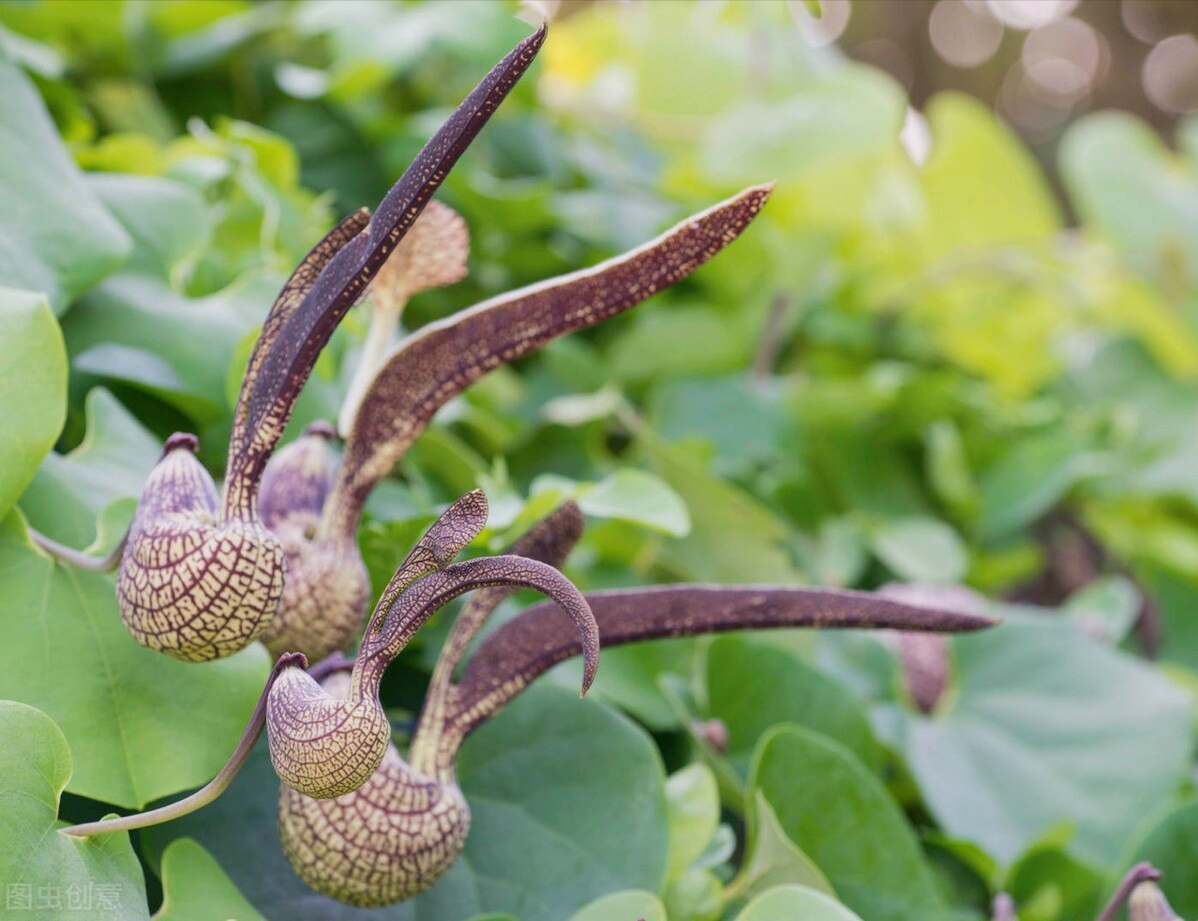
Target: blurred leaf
[(1106, 608), (1047, 883), (752, 684), (623, 906), (57, 236), (44, 871), (635, 495), (733, 538), (33, 389), (838, 812), (795, 903), (692, 815), (982, 187), (1028, 479), (1125, 184), (1046, 725), (1169, 843), (920, 550), (196, 889)]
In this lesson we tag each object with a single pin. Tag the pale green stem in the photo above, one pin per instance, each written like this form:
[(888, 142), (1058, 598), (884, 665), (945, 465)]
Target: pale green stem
[(384, 318), (206, 794), (78, 558)]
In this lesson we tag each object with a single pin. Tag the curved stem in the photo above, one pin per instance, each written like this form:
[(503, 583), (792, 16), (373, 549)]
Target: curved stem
[(1132, 878), (78, 558), (210, 791), (384, 320)]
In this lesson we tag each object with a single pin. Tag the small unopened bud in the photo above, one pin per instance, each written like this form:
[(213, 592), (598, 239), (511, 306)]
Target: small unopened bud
[(1148, 903), (1003, 908), (714, 732)]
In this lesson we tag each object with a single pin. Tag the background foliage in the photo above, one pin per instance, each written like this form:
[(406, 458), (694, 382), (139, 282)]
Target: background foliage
[(914, 368)]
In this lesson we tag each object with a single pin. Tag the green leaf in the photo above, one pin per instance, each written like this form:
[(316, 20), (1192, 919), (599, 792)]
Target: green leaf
[(1169, 845), (623, 906), (920, 550), (981, 185), (753, 684), (579, 787), (772, 859), (638, 496), (1106, 608), (692, 815), (33, 388), (195, 888), (1048, 883), (43, 871), (733, 537), (58, 237), (1126, 185), (140, 724), (112, 462), (830, 805), (1031, 476), (1047, 725), (795, 903), (851, 113)]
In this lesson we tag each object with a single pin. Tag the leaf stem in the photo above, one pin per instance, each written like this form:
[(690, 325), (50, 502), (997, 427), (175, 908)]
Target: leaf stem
[(214, 788), (78, 558)]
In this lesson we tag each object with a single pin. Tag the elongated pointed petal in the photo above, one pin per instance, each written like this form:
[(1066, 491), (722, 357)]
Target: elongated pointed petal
[(297, 339), (429, 594), (528, 645), (442, 542), (549, 541), (294, 291), (444, 358)]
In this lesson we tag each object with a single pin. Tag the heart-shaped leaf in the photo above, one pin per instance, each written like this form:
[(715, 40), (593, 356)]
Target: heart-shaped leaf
[(1046, 726), (140, 725), (830, 805), (43, 871), (56, 235), (195, 888), (33, 388)]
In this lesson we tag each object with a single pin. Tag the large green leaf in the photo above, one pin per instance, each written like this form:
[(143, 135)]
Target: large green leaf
[(140, 725), (33, 388), (981, 185), (1045, 726), (771, 858), (111, 463), (753, 684), (830, 805), (733, 538), (568, 804), (45, 873), (196, 889), (56, 236)]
